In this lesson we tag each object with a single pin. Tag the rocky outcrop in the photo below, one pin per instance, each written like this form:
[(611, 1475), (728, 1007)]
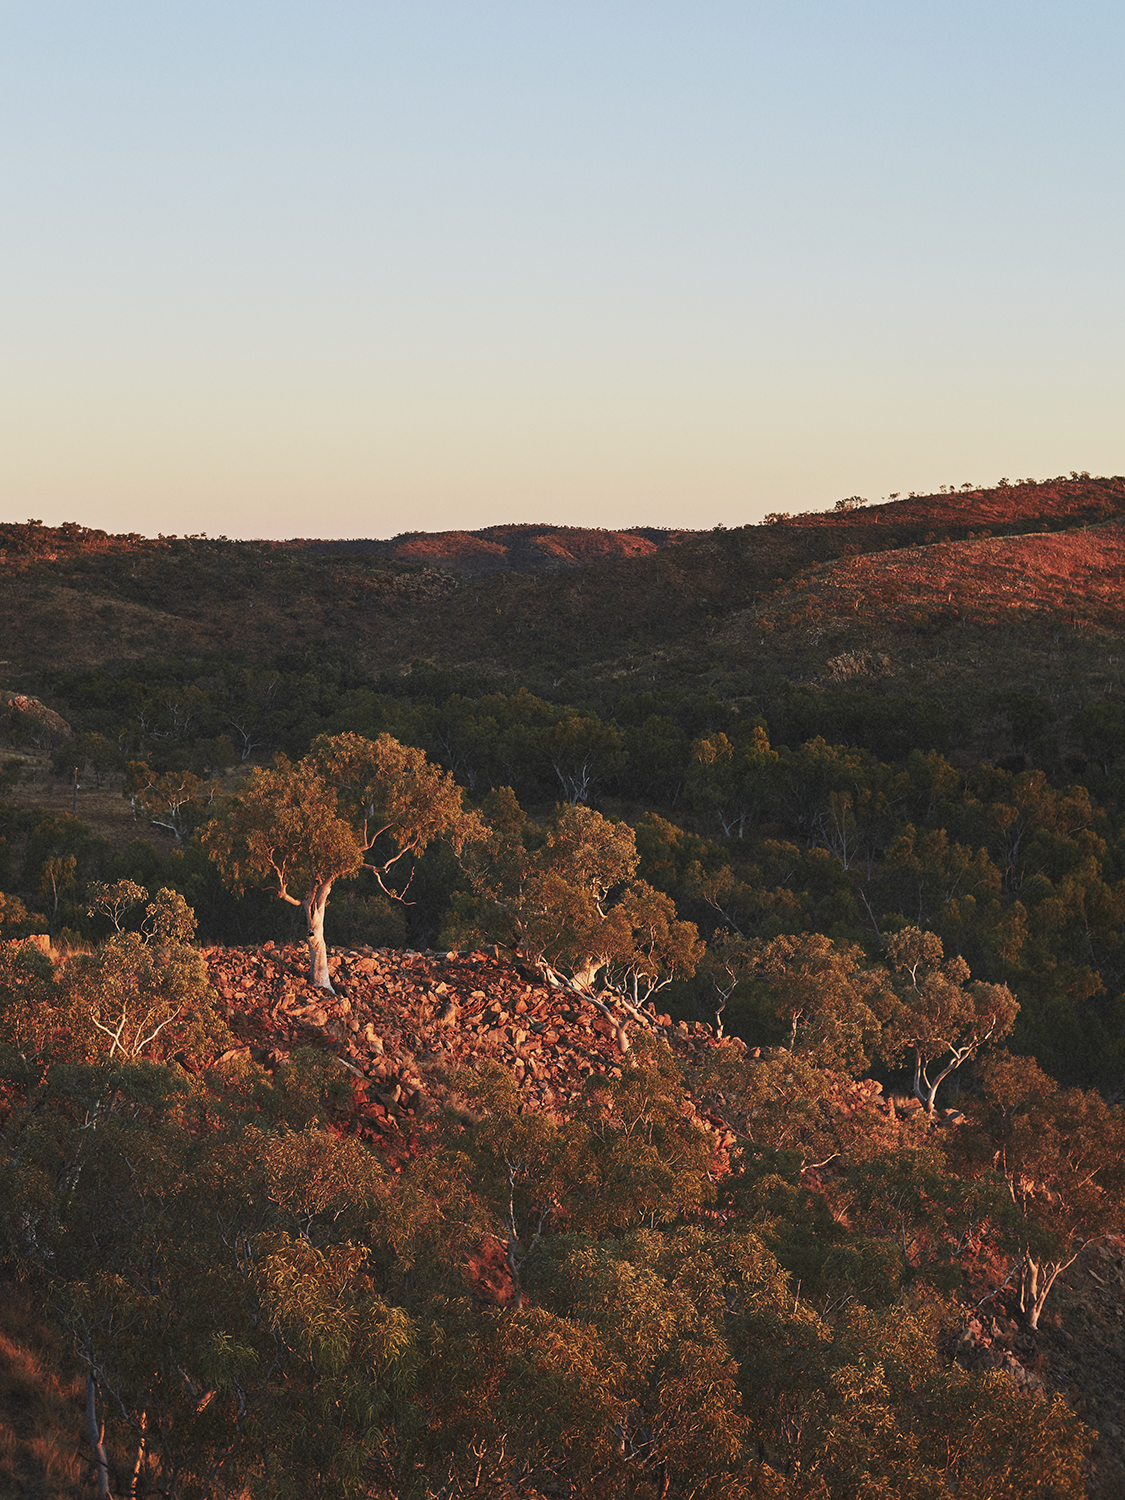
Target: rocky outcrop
[(998, 1343), (31, 708), (403, 1024)]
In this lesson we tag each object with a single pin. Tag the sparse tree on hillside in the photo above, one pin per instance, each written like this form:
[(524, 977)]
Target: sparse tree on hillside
[(727, 962), (12, 910), (582, 751), (825, 995), (734, 781), (114, 899), (137, 995), (172, 799), (657, 946), (57, 879), (351, 804)]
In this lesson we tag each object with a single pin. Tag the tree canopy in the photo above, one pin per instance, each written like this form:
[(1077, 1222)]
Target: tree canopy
[(351, 804), (565, 894)]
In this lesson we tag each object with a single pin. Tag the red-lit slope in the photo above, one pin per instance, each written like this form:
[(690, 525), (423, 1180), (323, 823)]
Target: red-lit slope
[(1078, 576)]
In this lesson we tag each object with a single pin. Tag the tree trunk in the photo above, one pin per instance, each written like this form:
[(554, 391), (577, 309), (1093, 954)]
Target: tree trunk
[(313, 908), (97, 1436), (1037, 1282), (1030, 1301), (511, 1255), (585, 976), (138, 1463)]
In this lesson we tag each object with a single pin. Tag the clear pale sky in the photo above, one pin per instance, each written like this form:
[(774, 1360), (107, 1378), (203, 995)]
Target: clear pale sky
[(344, 269)]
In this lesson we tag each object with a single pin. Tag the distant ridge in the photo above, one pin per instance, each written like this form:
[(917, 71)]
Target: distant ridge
[(534, 602), (518, 548), (1010, 505)]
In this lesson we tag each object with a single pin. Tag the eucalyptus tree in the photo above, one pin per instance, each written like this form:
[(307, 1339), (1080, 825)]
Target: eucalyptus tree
[(1061, 1154), (934, 1015), (350, 805), (564, 895)]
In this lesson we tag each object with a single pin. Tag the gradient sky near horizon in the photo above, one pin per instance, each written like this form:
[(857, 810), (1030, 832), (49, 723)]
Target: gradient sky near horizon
[(349, 269)]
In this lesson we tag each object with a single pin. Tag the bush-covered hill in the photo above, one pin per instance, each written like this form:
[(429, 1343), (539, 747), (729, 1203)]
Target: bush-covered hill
[(519, 548), (793, 781), (71, 594)]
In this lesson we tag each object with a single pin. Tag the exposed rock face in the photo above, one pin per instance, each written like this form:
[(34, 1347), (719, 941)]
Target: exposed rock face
[(998, 1343), (20, 703)]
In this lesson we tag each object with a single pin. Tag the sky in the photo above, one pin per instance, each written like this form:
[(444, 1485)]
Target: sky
[(351, 269)]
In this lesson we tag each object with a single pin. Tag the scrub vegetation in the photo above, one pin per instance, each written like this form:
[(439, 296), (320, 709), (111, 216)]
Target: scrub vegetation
[(840, 796)]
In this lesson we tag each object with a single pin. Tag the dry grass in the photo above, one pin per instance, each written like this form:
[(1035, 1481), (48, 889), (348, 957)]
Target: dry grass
[(105, 809), (43, 1454)]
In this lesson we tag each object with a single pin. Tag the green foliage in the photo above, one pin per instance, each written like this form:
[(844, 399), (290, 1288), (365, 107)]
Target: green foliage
[(909, 1199), (114, 899), (564, 894), (827, 996), (934, 1014), (132, 998), (87, 751), (28, 1003), (1061, 1153), (174, 800), (351, 804), (1100, 730), (12, 911), (274, 1314), (784, 1105), (60, 857), (176, 1249), (734, 782), (628, 1157)]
